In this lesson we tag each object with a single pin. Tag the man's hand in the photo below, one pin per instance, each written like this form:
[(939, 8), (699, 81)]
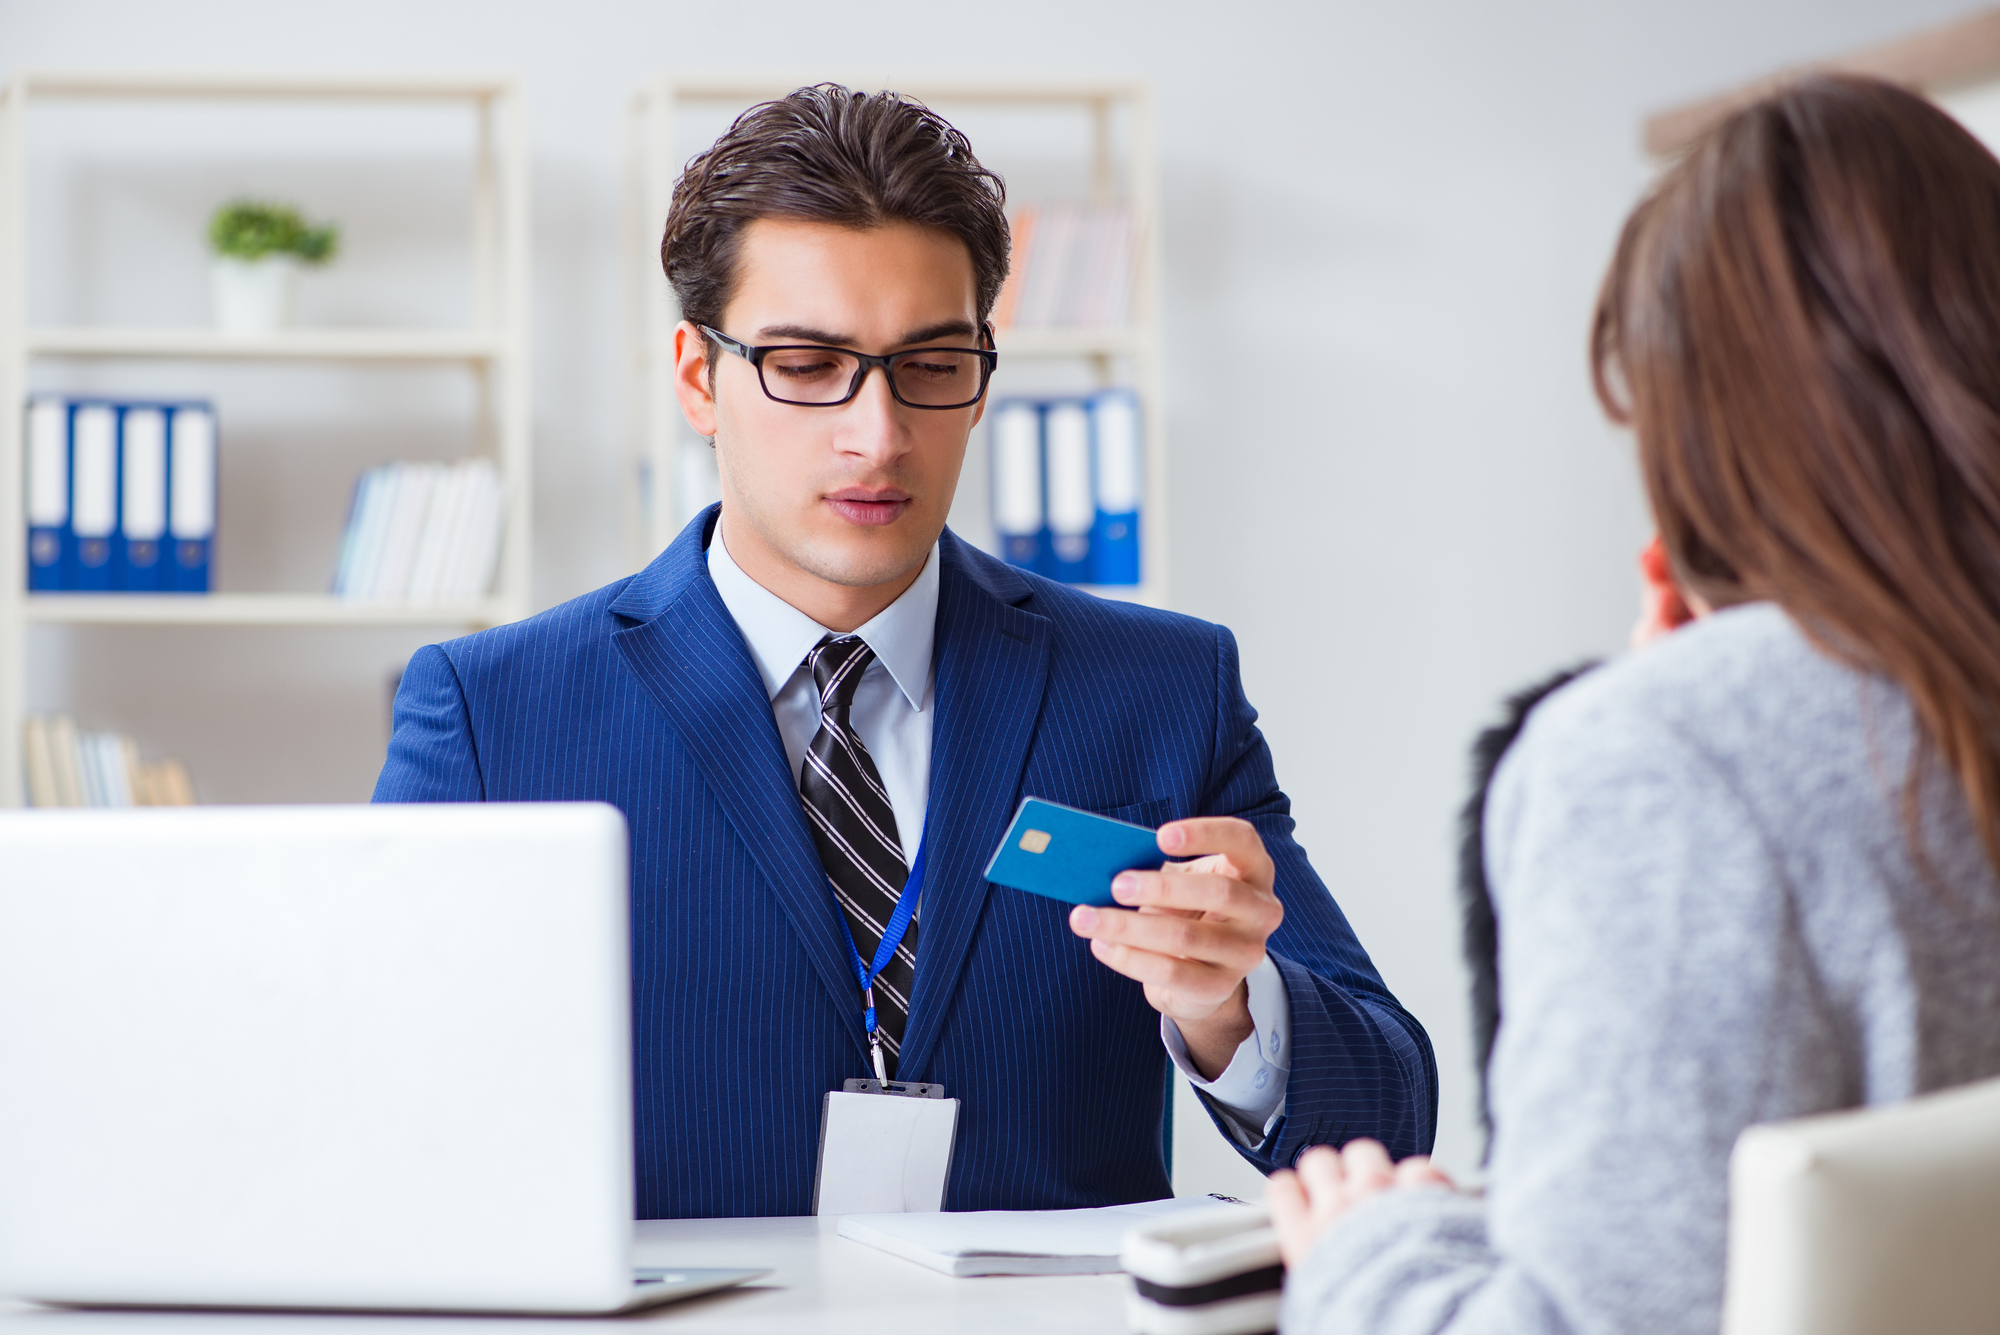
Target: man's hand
[(1198, 931), (1331, 1182)]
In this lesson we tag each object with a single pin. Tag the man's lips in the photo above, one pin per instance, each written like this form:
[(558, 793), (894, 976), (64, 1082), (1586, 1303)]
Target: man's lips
[(874, 508)]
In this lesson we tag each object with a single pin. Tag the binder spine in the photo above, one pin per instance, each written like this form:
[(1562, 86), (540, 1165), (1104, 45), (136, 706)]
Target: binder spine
[(93, 507), (49, 536), (190, 499), (1072, 504), (1016, 439), (1118, 449), (142, 507)]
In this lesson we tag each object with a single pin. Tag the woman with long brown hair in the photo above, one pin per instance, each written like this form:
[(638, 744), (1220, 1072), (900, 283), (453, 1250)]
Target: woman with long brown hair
[(1748, 872)]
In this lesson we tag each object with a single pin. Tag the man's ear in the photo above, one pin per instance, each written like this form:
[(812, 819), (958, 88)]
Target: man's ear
[(692, 384)]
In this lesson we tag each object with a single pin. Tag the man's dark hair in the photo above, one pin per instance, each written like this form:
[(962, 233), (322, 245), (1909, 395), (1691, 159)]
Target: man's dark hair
[(830, 154)]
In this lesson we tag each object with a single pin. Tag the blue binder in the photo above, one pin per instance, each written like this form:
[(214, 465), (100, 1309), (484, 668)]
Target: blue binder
[(47, 436), (93, 495), (1118, 444), (1015, 437), (191, 450), (142, 498)]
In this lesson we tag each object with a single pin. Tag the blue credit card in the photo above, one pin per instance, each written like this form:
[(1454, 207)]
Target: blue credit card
[(1070, 855)]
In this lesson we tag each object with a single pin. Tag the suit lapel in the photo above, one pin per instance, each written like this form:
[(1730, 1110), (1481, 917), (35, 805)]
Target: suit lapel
[(992, 669), (691, 658)]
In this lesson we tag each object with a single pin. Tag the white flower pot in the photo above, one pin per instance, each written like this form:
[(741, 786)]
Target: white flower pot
[(253, 296)]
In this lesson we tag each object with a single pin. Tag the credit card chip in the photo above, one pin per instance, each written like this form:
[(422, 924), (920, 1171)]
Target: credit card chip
[(1035, 841)]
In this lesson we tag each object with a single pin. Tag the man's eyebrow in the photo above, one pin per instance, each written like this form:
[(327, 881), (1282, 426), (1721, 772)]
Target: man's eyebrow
[(943, 329), (804, 334), (807, 334)]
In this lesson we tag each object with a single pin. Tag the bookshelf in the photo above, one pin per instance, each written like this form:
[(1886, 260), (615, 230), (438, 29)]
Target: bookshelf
[(1109, 125), (493, 350)]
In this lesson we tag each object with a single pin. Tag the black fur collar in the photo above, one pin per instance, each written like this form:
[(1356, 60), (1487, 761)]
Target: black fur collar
[(1481, 941)]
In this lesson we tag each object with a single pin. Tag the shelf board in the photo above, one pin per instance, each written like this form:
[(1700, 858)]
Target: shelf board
[(253, 609), (1067, 342), (221, 84), (385, 345)]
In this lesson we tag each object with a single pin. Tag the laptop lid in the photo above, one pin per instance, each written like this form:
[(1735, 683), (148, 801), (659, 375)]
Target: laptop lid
[(372, 1056)]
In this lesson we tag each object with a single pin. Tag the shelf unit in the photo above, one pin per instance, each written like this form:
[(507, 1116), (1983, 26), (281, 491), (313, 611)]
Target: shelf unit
[(494, 349), (654, 426)]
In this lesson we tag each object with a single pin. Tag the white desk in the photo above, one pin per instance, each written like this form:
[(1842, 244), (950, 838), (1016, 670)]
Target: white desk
[(821, 1283)]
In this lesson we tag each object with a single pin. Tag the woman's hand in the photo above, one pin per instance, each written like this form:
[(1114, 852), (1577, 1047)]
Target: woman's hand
[(1331, 1182)]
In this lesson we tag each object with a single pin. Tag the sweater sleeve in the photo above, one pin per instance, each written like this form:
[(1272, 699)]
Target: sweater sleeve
[(1654, 1004)]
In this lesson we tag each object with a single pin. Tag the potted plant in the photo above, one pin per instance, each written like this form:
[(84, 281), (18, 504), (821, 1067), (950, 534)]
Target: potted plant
[(259, 247)]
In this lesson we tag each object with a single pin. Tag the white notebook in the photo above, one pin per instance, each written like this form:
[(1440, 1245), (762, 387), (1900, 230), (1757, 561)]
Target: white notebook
[(1015, 1242)]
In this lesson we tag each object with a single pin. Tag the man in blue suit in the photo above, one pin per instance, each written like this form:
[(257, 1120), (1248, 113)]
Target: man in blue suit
[(819, 709)]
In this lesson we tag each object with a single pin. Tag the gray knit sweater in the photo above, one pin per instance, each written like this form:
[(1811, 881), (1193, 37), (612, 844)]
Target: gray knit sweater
[(1709, 916)]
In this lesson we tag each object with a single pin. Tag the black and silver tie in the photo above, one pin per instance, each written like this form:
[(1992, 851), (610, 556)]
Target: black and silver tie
[(855, 828)]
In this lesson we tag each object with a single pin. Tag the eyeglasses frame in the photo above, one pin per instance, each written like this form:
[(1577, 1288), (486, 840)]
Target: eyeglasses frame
[(755, 354)]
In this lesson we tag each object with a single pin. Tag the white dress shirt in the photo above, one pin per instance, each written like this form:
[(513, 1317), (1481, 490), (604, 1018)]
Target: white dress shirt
[(892, 714)]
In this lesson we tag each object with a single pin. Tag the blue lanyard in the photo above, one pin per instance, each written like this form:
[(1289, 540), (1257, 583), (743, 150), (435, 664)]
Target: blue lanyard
[(892, 937)]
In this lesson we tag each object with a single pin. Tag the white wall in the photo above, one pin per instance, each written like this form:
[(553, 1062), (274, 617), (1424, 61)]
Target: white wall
[(1384, 224)]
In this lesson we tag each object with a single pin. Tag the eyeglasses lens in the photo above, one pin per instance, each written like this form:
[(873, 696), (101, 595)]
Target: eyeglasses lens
[(932, 378), (808, 375), (928, 377)]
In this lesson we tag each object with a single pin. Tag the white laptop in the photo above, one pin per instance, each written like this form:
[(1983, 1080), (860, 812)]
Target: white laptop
[(320, 1057)]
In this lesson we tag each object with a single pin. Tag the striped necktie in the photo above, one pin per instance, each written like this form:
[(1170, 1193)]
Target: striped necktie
[(855, 829)]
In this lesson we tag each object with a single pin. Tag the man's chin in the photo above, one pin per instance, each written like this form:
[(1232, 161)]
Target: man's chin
[(864, 565)]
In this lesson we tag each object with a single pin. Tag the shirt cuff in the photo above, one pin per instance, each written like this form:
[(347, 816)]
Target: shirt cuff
[(1251, 1089)]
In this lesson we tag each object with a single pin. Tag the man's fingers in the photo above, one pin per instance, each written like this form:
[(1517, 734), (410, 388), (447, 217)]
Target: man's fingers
[(1201, 940), (1192, 978), (1234, 839), (1216, 895), (1217, 898)]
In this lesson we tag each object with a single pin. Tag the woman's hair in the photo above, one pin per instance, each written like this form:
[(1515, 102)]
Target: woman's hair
[(1802, 325)]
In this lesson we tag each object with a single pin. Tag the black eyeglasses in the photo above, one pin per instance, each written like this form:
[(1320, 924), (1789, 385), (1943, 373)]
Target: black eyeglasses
[(818, 377)]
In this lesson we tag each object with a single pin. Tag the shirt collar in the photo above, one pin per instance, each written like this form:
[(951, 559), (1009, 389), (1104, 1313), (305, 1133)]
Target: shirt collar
[(780, 636)]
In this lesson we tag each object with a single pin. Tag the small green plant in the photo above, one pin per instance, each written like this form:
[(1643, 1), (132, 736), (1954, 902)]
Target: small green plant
[(250, 229)]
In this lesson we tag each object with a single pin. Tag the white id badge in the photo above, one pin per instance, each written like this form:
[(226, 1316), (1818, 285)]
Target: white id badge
[(884, 1150)]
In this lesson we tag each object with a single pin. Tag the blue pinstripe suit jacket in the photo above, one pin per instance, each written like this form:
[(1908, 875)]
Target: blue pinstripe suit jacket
[(643, 694)]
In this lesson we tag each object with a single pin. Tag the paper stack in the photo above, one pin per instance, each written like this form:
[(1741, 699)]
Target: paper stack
[(422, 533), (68, 768), (1014, 1242)]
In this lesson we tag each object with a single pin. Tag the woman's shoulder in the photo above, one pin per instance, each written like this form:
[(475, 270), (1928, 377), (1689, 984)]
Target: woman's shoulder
[(1737, 724), (1740, 684)]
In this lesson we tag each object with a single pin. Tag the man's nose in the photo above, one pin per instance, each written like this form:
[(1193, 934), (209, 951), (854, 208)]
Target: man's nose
[(873, 425)]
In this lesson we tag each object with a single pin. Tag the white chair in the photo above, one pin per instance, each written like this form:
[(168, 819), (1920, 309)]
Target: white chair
[(1869, 1222)]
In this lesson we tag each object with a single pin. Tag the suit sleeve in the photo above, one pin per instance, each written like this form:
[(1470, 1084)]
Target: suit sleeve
[(1361, 1065), (432, 755)]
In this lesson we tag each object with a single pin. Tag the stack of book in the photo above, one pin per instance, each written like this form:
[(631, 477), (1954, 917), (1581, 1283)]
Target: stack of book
[(1067, 481), (120, 496), (68, 768), (422, 533), (1071, 268)]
